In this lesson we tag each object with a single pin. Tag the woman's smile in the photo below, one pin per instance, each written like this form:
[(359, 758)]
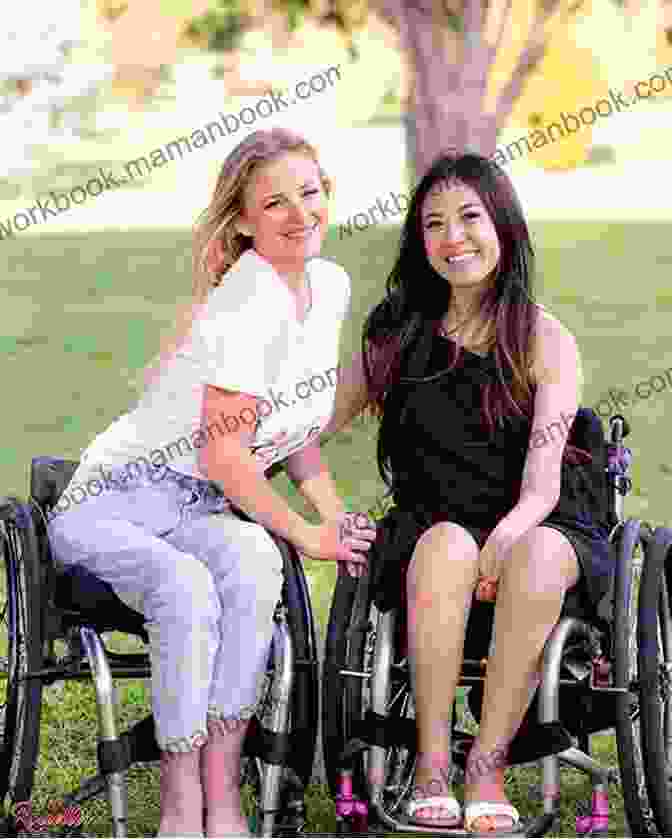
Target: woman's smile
[(462, 260), (302, 235)]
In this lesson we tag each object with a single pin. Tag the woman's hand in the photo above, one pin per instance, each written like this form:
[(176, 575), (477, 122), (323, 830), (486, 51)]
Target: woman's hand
[(491, 558), (344, 539), (361, 528)]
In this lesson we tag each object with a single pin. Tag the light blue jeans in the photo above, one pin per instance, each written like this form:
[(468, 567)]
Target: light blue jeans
[(206, 581)]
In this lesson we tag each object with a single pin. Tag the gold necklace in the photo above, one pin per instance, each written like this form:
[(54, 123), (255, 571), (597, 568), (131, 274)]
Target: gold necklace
[(456, 334)]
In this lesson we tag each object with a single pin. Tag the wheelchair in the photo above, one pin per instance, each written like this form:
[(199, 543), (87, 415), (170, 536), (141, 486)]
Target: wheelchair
[(48, 609), (598, 674)]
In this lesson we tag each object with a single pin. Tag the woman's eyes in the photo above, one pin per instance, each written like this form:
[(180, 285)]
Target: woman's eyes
[(471, 216), (305, 195)]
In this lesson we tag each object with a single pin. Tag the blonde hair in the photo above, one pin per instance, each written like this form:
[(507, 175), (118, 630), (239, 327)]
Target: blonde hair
[(217, 244)]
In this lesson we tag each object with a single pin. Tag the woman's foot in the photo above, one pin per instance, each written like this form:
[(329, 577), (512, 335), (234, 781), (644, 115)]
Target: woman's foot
[(226, 823), (433, 781), (220, 768), (483, 786), (181, 794)]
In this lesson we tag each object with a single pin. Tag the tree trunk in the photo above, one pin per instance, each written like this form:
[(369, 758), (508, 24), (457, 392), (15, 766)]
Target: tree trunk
[(451, 72)]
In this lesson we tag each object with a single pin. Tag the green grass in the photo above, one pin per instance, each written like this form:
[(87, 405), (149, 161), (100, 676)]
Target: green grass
[(82, 314)]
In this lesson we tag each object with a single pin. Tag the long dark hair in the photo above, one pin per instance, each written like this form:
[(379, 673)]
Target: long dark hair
[(417, 298)]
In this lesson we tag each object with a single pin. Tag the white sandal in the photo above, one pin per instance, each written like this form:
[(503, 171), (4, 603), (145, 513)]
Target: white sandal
[(439, 802), (479, 809)]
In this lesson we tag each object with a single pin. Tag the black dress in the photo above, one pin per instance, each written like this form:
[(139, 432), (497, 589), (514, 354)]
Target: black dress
[(445, 467)]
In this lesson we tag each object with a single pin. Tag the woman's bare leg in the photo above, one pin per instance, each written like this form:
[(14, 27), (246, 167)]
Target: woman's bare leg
[(539, 570), (440, 584), (181, 794), (220, 767)]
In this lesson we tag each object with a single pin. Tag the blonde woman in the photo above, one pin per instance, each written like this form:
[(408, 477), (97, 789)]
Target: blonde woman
[(226, 399)]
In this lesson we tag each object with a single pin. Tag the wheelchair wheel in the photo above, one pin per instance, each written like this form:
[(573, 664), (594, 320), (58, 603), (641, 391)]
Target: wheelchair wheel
[(629, 605), (333, 723), (20, 650), (347, 694), (279, 752), (654, 642)]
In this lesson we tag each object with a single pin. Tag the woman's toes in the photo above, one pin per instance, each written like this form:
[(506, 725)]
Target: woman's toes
[(488, 824), (433, 813)]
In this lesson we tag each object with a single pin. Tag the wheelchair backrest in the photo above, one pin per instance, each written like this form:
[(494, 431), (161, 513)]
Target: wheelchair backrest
[(49, 476), (587, 433)]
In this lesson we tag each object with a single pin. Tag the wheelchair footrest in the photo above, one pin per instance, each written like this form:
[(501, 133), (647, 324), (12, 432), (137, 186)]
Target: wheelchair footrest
[(141, 741), (113, 756), (267, 745), (376, 730), (533, 741)]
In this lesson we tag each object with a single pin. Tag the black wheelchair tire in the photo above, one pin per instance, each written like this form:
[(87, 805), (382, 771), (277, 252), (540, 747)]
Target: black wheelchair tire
[(654, 616), (627, 606), (306, 694), (344, 695), (335, 653), (23, 608)]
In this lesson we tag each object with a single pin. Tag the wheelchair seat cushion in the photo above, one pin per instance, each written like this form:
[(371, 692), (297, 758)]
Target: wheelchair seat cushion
[(95, 602)]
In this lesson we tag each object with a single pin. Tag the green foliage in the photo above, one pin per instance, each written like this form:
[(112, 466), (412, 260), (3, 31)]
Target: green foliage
[(296, 11), (454, 21), (222, 24)]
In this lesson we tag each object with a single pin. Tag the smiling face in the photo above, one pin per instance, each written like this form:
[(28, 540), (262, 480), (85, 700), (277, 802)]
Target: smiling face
[(460, 238), (285, 211)]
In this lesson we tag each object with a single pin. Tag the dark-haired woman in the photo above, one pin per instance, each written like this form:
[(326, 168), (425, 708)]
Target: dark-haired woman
[(475, 385)]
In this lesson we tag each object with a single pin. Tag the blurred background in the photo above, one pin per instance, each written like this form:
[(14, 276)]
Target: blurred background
[(91, 82)]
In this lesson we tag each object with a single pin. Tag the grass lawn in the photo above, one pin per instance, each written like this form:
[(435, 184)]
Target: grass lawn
[(82, 314)]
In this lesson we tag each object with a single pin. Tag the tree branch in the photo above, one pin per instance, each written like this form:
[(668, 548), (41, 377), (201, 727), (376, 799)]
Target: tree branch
[(493, 31), (529, 59), (472, 29)]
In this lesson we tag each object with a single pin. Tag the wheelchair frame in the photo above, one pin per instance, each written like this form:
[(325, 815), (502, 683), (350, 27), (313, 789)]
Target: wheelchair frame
[(279, 748), (361, 786)]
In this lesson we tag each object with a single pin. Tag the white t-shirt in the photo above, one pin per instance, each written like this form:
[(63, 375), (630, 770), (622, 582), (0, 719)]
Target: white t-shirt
[(246, 338)]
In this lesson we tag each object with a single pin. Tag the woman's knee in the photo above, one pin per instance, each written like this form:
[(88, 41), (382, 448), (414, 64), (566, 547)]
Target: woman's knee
[(543, 563), (186, 592), (446, 547), (258, 569)]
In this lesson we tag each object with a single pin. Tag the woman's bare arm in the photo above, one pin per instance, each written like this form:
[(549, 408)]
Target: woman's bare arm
[(227, 459), (312, 478), (555, 371), (351, 394)]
